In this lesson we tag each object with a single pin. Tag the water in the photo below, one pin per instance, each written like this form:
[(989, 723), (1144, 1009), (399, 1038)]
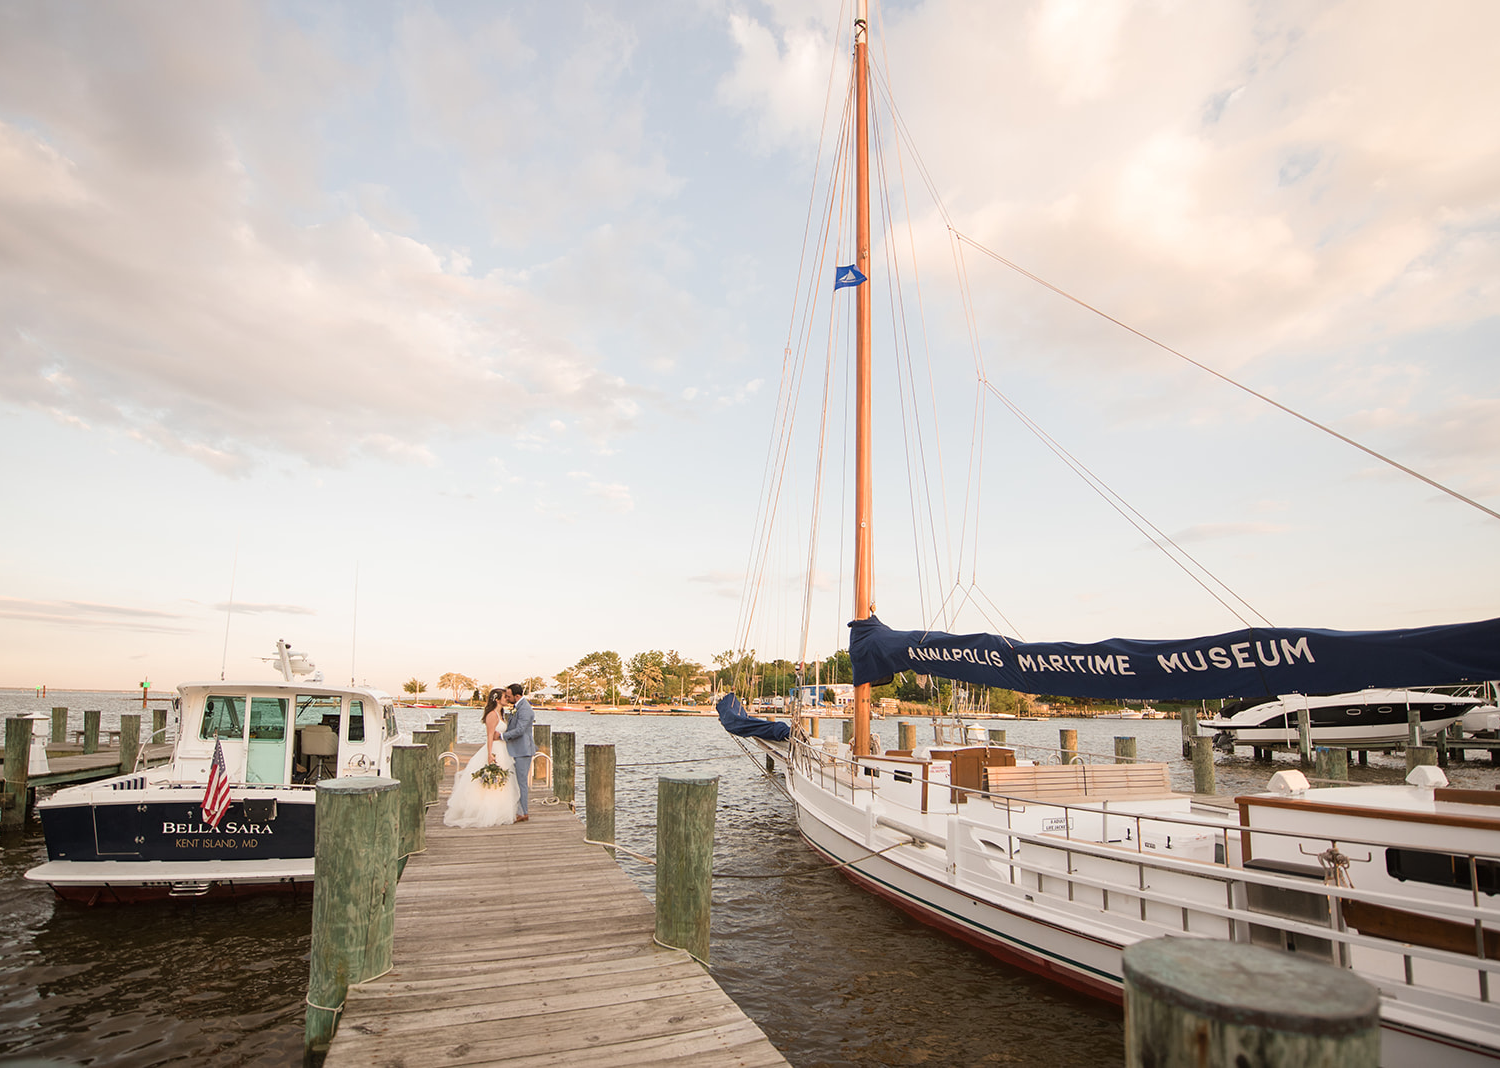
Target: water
[(833, 976)]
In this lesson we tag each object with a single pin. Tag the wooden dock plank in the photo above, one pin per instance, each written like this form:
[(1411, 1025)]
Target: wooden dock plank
[(526, 947)]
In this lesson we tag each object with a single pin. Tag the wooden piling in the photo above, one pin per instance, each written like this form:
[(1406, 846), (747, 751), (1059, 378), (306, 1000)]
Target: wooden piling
[(541, 737), (59, 725), (564, 750), (1413, 726), (411, 811), (1124, 750), (685, 808), (1304, 736), (1203, 766), (430, 772), (1331, 763), (1067, 745), (848, 732), (1202, 1003), (599, 793), (354, 897), (17, 761), (158, 726), (997, 736), (812, 726), (130, 741), (906, 736), (1189, 731), (1417, 755), (90, 730)]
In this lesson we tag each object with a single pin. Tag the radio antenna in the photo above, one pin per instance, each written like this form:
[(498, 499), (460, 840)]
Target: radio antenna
[(354, 625), (229, 612)]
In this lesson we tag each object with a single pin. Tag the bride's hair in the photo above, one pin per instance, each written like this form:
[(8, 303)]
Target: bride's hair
[(490, 704)]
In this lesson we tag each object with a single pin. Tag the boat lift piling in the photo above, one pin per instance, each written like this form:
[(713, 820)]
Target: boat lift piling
[(59, 724), (1203, 766), (1189, 731)]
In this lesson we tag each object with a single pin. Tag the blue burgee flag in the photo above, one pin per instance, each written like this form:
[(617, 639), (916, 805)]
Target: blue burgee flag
[(847, 276)]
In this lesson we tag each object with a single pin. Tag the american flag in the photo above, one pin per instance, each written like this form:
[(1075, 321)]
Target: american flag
[(216, 794)]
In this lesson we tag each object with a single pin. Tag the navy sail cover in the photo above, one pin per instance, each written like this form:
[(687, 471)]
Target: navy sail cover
[(1252, 662), (736, 720)]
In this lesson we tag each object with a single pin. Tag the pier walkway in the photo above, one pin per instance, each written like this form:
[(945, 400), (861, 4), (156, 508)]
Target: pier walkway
[(524, 946)]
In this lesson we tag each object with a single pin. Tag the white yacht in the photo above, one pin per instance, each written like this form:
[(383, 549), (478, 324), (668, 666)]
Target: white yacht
[(1367, 717)]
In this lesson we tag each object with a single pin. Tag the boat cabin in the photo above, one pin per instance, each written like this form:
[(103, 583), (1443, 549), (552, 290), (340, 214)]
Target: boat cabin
[(279, 733)]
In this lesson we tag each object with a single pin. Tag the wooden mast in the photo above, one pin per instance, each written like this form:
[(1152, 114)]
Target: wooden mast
[(864, 556)]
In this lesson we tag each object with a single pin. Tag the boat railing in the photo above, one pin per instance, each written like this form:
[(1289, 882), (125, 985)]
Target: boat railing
[(840, 774), (1237, 919)]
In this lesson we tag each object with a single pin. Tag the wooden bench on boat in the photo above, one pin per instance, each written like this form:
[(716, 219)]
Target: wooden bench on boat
[(1075, 783)]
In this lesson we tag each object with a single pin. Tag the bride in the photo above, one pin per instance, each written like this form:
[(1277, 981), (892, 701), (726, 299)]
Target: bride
[(473, 803)]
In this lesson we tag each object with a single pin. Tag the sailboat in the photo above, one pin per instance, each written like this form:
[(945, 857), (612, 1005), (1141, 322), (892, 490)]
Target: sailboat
[(1056, 867)]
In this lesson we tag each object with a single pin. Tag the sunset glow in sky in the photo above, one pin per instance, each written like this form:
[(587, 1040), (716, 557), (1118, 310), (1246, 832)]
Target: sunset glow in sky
[(446, 337)]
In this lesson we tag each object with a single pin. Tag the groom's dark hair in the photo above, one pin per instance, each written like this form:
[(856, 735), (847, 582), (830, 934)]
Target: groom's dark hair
[(516, 688)]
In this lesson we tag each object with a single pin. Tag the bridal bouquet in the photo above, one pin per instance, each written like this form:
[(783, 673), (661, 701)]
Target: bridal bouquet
[(491, 776)]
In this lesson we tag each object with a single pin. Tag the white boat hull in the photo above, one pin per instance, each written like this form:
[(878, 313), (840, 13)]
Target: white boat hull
[(1047, 915)]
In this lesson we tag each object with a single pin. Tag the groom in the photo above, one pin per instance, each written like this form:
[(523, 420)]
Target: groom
[(519, 742)]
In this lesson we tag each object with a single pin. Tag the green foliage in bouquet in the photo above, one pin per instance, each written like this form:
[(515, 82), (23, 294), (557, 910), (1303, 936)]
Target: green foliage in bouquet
[(491, 776)]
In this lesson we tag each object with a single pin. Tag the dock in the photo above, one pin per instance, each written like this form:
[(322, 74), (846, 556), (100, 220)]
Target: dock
[(525, 946)]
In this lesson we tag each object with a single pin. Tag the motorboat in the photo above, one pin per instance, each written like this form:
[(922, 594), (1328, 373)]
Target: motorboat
[(1366, 717), (144, 835)]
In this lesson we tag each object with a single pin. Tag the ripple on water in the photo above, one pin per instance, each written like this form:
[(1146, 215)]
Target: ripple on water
[(834, 976)]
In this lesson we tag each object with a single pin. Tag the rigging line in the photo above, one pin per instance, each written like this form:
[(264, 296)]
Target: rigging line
[(788, 379), (1131, 516), (1013, 628), (766, 521), (976, 466), (918, 487), (1237, 385), (887, 93), (822, 440), (828, 381)]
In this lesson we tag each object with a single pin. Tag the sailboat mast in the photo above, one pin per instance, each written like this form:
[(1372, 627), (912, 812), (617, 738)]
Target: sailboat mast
[(864, 555)]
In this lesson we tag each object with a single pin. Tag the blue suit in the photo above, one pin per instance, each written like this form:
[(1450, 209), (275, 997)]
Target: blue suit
[(522, 747)]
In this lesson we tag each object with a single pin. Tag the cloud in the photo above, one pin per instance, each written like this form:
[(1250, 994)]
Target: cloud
[(171, 270), (1202, 532), (250, 608), (92, 615)]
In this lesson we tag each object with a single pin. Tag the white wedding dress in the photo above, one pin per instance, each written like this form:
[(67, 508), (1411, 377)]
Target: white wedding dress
[(472, 804)]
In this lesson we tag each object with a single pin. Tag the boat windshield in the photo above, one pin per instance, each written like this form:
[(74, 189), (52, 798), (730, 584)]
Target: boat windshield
[(223, 716)]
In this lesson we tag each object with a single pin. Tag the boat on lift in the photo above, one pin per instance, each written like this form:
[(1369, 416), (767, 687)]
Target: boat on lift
[(1366, 717), (143, 835)]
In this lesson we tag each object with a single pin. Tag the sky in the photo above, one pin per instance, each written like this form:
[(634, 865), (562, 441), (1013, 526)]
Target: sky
[(448, 336)]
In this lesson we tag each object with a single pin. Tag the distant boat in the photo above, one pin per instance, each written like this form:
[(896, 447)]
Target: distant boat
[(1367, 717)]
